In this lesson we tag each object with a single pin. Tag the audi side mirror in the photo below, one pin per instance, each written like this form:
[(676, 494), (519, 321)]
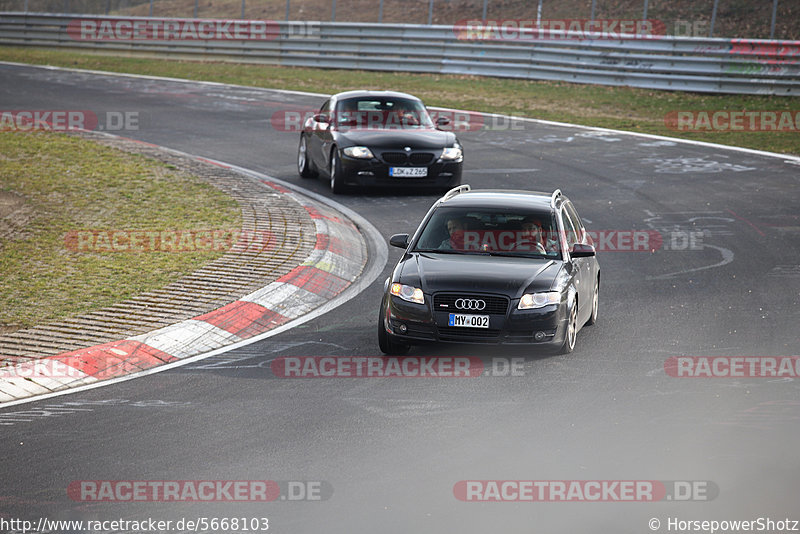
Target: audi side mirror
[(582, 251), (399, 240)]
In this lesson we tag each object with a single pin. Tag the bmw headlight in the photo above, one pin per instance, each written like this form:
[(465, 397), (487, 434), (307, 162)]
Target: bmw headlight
[(409, 293), (360, 152), (530, 301), (452, 153)]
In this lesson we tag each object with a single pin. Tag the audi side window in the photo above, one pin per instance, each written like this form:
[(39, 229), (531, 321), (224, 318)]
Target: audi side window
[(576, 222), (569, 229)]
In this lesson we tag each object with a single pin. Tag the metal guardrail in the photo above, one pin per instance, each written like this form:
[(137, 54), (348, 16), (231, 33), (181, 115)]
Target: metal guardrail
[(660, 62)]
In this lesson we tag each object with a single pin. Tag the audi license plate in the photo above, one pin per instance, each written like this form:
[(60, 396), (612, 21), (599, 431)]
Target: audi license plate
[(469, 321), (408, 172)]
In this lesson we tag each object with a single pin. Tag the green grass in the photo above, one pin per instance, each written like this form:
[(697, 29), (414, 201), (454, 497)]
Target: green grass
[(71, 184), (637, 110)]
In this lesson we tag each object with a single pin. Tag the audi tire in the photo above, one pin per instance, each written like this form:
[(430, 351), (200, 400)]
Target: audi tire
[(571, 333)]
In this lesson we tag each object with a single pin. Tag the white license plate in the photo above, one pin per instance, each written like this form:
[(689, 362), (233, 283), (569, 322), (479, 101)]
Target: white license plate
[(468, 321), (408, 172)]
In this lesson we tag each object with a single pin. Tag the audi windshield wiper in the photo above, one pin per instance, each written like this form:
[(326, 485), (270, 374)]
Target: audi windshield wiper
[(451, 251), (519, 254)]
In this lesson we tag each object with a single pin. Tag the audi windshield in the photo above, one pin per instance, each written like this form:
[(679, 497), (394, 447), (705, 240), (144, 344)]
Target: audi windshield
[(488, 231)]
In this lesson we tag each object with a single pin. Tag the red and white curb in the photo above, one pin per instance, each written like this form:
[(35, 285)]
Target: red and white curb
[(339, 257)]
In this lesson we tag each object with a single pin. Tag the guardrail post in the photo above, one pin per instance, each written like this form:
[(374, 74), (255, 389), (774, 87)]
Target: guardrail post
[(485, 7), (644, 15), (380, 11), (150, 11), (287, 10), (594, 3), (713, 18), (430, 12), (539, 13), (333, 10), (772, 24)]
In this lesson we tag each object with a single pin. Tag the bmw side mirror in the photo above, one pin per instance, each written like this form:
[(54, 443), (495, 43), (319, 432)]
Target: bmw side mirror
[(321, 117), (399, 240), (442, 121), (582, 251)]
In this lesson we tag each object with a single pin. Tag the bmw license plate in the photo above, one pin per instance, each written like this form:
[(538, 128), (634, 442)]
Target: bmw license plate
[(469, 321), (408, 172)]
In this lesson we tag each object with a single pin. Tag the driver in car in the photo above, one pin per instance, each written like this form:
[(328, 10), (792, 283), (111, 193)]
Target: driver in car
[(455, 230)]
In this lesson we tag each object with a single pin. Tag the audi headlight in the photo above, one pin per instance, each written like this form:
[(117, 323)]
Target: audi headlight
[(452, 153), (530, 301), (360, 152), (409, 293)]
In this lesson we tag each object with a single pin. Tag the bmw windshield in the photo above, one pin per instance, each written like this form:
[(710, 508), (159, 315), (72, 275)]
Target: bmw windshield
[(488, 231), (382, 113)]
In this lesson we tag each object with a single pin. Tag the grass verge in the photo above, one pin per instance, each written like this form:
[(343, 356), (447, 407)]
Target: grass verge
[(623, 108), (65, 183)]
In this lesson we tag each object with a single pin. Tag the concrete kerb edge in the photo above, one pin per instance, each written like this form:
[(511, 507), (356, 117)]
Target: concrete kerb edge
[(197, 338)]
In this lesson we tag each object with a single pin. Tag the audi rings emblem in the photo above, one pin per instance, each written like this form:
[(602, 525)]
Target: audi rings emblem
[(470, 304)]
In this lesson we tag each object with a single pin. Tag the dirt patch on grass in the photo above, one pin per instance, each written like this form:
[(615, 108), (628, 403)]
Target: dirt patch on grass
[(15, 214)]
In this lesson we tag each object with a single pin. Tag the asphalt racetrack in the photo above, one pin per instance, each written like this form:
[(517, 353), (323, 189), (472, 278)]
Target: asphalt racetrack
[(403, 455)]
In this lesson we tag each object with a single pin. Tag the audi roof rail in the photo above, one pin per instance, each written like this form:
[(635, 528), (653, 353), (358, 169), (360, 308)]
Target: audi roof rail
[(554, 197), (455, 191)]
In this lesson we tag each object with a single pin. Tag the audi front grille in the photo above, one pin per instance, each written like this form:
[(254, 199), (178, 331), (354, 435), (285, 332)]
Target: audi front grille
[(494, 305)]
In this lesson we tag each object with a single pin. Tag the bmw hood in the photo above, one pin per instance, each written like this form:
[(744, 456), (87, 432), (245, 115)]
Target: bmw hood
[(434, 272), (396, 138)]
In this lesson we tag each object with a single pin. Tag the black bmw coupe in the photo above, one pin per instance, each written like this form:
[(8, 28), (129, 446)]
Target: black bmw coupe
[(379, 138), (492, 266)]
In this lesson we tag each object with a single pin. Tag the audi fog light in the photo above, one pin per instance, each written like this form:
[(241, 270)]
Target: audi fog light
[(408, 293), (360, 152), (530, 301)]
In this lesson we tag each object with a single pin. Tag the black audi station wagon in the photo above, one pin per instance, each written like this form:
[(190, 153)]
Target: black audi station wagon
[(492, 266)]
